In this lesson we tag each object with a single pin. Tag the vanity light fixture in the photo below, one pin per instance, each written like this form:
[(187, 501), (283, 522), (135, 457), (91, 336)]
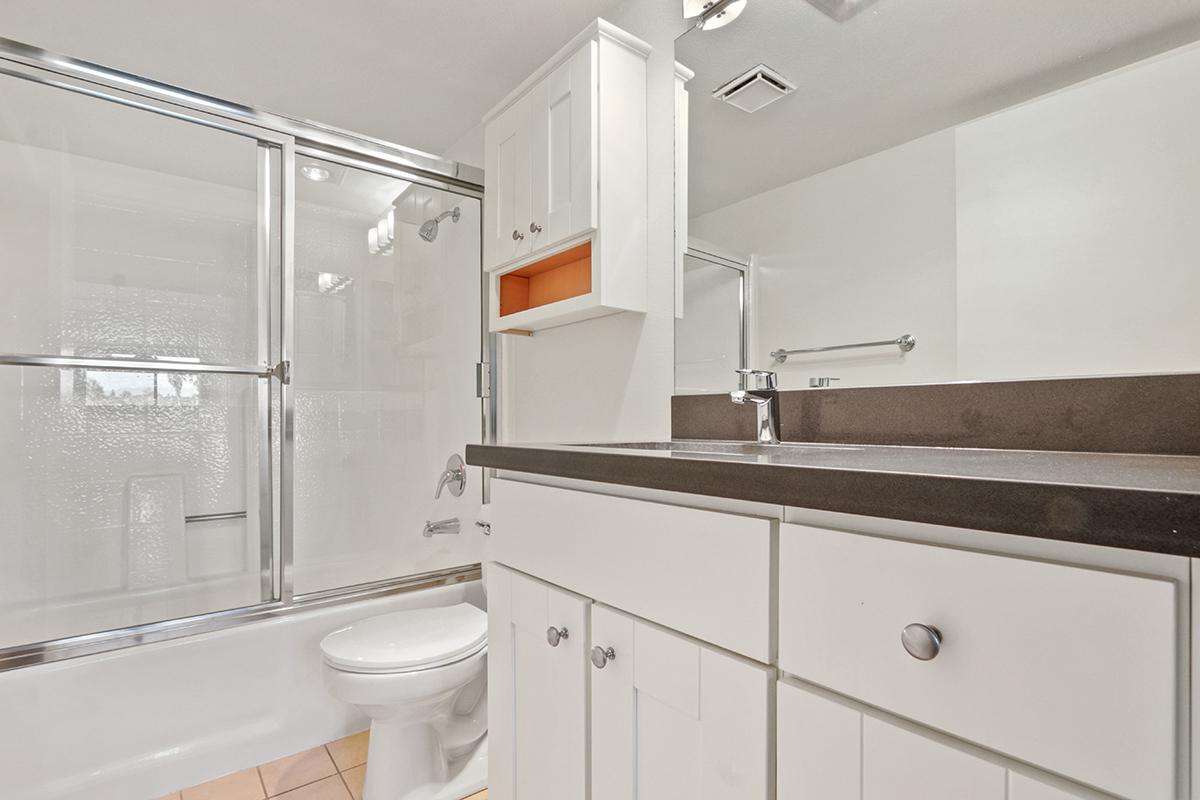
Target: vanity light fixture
[(713, 14)]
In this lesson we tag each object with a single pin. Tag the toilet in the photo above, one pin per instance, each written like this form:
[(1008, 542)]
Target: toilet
[(421, 677)]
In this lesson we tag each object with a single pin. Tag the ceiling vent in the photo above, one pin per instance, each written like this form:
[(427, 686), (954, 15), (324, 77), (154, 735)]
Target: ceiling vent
[(757, 87), (841, 10)]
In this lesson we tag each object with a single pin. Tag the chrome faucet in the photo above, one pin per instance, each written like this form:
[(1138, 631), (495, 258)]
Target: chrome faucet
[(453, 478), (765, 398)]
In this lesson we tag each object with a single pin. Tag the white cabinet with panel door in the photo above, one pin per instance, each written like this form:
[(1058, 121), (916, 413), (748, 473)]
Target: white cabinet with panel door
[(565, 195), (673, 718), (829, 749), (537, 689)]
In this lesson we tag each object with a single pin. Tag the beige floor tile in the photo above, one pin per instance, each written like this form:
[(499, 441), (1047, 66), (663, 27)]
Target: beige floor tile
[(350, 751), (171, 796), (243, 785), (296, 770), (481, 796), (354, 779), (330, 788)]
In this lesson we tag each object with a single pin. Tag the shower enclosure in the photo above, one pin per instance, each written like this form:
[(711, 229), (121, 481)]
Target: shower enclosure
[(232, 362)]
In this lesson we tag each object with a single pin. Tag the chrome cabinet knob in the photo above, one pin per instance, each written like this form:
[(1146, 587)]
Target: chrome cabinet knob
[(602, 655), (923, 642), (535, 228), (517, 235), (555, 635)]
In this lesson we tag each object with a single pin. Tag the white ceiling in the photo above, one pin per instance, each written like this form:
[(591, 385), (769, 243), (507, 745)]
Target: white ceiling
[(898, 71), (417, 72)]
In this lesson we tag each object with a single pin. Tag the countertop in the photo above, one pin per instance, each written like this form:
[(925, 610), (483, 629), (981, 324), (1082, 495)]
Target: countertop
[(1141, 502)]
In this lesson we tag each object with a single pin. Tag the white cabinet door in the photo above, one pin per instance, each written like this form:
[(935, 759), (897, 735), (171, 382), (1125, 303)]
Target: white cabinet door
[(673, 719), (831, 750), (563, 149), (537, 696), (506, 202)]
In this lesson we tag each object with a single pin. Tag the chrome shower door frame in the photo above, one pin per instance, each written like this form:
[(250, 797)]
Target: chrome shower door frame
[(279, 139)]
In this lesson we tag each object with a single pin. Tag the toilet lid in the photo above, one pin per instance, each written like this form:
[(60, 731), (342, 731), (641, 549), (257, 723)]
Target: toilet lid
[(404, 641)]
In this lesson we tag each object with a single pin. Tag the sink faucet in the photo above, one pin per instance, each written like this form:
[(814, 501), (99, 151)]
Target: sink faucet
[(765, 398)]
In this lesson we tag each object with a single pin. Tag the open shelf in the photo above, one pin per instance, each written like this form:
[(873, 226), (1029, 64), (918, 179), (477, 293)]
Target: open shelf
[(553, 279)]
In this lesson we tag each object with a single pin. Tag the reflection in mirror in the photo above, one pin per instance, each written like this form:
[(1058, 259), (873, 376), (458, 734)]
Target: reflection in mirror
[(1013, 185), (710, 341)]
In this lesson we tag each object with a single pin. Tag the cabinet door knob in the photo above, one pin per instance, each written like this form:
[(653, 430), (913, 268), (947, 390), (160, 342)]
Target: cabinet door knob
[(517, 235), (602, 655), (555, 635), (535, 228), (923, 642)]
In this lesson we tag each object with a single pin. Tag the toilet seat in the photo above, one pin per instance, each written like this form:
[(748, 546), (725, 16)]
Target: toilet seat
[(407, 641)]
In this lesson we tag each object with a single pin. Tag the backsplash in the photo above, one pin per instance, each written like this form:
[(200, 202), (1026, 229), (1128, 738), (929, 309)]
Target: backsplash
[(1138, 414)]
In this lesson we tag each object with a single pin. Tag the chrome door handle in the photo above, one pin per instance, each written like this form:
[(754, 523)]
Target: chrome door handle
[(535, 228), (517, 235), (923, 642), (602, 655), (555, 635)]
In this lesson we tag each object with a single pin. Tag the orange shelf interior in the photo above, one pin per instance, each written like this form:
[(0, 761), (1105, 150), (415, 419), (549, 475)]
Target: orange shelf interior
[(559, 277)]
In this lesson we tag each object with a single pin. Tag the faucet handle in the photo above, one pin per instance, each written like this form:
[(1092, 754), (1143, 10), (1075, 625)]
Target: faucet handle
[(763, 378)]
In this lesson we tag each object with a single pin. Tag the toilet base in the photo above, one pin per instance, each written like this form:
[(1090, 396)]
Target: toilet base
[(413, 759)]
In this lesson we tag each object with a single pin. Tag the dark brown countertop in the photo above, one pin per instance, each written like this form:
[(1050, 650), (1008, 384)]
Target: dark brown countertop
[(1140, 502)]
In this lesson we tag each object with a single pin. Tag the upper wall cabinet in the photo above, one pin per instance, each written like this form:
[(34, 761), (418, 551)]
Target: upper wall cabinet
[(564, 211)]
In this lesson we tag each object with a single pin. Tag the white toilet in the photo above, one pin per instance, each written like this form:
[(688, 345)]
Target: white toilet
[(421, 677)]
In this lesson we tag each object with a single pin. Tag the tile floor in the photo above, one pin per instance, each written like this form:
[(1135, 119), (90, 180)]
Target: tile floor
[(333, 771)]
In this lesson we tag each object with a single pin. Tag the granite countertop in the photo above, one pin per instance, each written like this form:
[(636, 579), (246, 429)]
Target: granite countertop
[(1141, 502)]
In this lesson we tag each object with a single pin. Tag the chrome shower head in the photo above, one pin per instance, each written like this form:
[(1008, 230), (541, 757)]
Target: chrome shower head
[(429, 228)]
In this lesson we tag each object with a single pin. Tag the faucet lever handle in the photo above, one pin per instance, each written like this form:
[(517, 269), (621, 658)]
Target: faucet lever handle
[(763, 378)]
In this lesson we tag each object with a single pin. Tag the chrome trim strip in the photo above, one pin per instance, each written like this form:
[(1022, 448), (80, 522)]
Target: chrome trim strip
[(121, 638), (425, 164), (287, 392), (338, 156), (116, 364), (215, 517), (265, 264)]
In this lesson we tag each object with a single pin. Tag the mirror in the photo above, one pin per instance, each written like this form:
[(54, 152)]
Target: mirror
[(1013, 186)]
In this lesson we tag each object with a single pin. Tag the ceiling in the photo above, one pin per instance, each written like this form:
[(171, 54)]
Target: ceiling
[(897, 71), (417, 72)]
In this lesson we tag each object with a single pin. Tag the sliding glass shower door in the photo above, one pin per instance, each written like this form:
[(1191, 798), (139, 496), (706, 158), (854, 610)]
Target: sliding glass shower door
[(236, 351), (137, 256)]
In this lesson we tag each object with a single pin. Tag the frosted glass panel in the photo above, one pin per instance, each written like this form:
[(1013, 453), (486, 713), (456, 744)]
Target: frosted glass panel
[(99, 474), (387, 334), (124, 232), (708, 338)]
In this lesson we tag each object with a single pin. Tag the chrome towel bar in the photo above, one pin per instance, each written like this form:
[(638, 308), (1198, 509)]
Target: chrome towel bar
[(188, 520), (905, 343)]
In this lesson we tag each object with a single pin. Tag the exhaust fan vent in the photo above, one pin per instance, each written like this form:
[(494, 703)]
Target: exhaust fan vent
[(755, 88), (841, 10)]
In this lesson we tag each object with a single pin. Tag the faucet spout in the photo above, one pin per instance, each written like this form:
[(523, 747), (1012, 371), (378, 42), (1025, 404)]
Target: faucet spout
[(765, 399)]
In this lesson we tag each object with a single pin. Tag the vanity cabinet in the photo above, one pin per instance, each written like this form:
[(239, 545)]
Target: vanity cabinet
[(834, 750), (564, 208), (673, 718), (739, 656), (537, 691)]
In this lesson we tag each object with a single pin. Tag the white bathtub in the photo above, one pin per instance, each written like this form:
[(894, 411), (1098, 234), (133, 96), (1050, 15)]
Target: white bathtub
[(138, 723)]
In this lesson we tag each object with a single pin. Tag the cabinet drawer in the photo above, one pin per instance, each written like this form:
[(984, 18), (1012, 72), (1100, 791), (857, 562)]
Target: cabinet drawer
[(705, 573), (1072, 669)]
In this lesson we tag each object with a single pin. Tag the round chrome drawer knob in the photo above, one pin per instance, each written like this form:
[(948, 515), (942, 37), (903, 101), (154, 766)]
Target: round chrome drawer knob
[(517, 235), (602, 655), (555, 635), (923, 642), (535, 228)]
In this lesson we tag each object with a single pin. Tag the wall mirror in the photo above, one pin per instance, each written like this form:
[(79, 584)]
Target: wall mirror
[(978, 190)]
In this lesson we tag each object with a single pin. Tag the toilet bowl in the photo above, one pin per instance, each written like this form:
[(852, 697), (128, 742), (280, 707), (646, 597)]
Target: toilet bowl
[(421, 678)]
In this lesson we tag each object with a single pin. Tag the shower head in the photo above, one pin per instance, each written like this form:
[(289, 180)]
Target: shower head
[(429, 228)]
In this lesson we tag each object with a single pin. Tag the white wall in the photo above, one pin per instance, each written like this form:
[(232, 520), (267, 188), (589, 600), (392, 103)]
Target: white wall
[(611, 378), (1054, 238)]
